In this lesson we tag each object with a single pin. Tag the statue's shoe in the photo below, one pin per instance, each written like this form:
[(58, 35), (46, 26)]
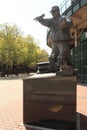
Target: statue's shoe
[(66, 71)]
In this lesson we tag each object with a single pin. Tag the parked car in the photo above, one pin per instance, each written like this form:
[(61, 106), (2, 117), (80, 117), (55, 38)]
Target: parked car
[(42, 67)]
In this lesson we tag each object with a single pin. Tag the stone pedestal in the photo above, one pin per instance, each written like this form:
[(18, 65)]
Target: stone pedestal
[(47, 96)]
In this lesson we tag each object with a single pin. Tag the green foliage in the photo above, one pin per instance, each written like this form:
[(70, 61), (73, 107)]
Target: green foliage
[(16, 49)]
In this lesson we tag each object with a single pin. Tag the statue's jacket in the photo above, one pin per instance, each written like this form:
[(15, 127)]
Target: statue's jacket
[(59, 27)]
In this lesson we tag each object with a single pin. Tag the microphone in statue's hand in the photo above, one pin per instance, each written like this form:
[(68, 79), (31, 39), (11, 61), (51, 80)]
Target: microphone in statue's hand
[(42, 15), (38, 17)]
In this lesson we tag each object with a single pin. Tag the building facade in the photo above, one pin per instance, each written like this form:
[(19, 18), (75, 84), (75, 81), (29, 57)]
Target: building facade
[(76, 9)]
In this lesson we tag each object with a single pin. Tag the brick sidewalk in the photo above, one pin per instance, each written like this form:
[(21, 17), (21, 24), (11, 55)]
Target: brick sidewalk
[(11, 105), (82, 106)]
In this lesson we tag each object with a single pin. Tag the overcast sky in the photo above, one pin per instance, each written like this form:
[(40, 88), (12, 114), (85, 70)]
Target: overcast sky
[(22, 13)]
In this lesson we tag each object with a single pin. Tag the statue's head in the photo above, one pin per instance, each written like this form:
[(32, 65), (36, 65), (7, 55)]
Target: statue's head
[(54, 8), (55, 11)]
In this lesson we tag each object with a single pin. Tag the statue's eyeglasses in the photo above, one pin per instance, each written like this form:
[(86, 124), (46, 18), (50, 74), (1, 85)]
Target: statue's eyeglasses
[(53, 11)]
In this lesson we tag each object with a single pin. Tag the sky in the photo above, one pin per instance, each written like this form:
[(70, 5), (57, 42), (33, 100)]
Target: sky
[(22, 13)]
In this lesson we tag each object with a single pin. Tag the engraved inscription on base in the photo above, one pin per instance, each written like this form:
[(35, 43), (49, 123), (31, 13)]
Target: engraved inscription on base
[(51, 99)]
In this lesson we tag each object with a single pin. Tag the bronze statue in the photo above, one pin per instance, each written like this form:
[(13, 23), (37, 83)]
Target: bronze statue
[(60, 57)]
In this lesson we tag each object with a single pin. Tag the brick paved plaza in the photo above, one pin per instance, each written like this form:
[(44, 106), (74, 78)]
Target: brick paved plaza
[(11, 105)]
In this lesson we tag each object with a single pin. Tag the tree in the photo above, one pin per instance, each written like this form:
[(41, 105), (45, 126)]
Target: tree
[(8, 35), (17, 50)]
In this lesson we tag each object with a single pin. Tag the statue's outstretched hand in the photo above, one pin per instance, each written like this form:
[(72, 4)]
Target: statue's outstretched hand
[(39, 17)]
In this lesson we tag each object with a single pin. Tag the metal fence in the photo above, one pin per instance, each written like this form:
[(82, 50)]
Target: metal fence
[(80, 59)]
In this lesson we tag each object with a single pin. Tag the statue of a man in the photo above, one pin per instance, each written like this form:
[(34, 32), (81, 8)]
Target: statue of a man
[(60, 36)]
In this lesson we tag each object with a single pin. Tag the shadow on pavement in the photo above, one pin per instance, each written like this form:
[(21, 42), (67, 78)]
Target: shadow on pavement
[(83, 122)]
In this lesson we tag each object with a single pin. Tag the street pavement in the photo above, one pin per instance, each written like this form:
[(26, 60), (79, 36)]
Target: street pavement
[(11, 105)]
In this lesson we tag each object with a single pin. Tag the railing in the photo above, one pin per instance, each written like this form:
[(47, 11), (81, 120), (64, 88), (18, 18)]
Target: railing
[(71, 6), (65, 5)]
